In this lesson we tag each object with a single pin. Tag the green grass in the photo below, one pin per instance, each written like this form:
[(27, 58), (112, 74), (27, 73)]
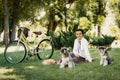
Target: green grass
[(33, 69)]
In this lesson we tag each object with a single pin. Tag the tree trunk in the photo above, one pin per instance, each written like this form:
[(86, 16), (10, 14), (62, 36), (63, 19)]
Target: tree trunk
[(99, 30), (16, 9), (13, 30), (52, 24), (65, 13), (6, 22)]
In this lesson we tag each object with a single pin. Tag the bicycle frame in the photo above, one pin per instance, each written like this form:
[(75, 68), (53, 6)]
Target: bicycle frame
[(22, 48), (29, 46)]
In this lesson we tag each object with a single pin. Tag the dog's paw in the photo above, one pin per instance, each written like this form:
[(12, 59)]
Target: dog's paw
[(101, 64), (61, 66), (104, 64)]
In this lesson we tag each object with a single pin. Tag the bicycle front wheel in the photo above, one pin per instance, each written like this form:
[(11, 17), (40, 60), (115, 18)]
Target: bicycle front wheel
[(15, 52), (45, 49)]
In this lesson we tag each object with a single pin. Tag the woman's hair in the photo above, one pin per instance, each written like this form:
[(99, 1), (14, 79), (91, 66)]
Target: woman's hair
[(79, 30)]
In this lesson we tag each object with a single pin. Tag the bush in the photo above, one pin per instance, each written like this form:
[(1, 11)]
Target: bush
[(67, 38), (56, 39), (102, 41), (63, 39)]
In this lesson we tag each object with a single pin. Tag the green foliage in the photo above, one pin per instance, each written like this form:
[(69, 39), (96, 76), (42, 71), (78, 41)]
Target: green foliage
[(87, 37), (81, 12), (56, 39), (118, 18), (114, 29), (62, 39), (93, 11), (84, 23), (100, 20), (96, 11), (81, 7), (67, 38), (102, 41), (115, 5), (108, 39), (73, 26)]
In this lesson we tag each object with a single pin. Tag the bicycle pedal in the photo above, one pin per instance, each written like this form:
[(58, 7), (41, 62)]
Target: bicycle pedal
[(30, 55), (27, 58)]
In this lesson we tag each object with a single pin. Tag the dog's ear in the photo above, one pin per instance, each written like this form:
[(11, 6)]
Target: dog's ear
[(102, 50), (68, 49), (108, 49), (102, 47), (61, 48)]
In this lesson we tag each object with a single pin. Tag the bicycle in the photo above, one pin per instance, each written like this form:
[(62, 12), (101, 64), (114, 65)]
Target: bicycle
[(18, 50)]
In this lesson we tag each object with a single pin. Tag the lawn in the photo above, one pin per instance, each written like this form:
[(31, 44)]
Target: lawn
[(33, 69)]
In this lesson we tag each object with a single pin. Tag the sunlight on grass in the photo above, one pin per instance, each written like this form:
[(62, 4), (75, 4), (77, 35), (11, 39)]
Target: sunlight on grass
[(4, 70), (30, 67), (1, 49), (6, 74)]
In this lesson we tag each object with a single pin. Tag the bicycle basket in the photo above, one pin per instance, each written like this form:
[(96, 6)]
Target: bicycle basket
[(25, 31)]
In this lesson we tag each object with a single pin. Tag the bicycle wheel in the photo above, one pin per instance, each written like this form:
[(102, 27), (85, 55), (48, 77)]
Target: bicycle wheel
[(45, 49), (15, 52)]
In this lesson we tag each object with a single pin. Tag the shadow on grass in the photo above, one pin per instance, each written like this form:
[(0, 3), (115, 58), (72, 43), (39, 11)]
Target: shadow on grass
[(31, 69)]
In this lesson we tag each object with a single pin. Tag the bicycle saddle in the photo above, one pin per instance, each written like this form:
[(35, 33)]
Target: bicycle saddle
[(37, 32)]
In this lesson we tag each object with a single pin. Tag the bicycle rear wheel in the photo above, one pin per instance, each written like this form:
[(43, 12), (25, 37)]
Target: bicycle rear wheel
[(45, 49), (15, 52)]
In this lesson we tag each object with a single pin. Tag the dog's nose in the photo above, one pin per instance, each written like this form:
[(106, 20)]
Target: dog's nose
[(62, 51)]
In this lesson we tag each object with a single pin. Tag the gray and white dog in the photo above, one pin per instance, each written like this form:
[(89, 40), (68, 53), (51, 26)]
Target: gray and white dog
[(106, 58), (66, 59)]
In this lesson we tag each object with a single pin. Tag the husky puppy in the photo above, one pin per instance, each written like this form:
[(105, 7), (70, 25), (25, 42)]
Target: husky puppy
[(105, 56), (66, 59)]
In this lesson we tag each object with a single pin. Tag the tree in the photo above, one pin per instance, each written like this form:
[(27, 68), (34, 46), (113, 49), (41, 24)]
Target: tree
[(1, 17), (97, 13), (115, 5), (17, 12), (21, 10), (59, 9), (6, 21), (29, 10)]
